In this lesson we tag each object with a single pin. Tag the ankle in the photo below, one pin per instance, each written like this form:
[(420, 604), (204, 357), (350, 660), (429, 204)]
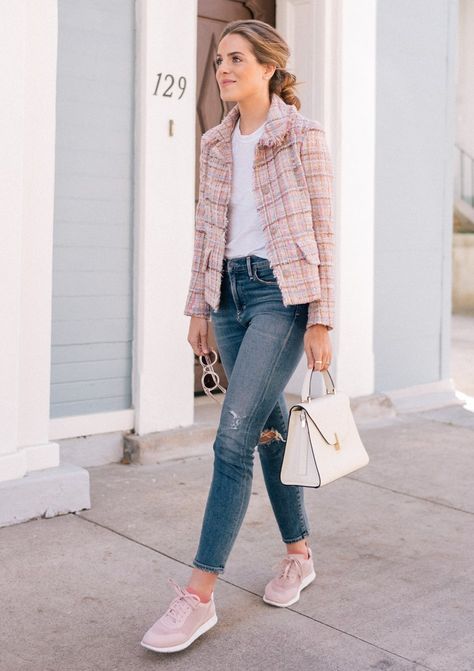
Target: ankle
[(300, 549), (205, 598)]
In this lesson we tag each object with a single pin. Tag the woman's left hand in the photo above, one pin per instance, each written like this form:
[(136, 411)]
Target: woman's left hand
[(318, 348)]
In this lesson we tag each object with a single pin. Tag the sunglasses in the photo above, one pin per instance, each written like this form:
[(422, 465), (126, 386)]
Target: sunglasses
[(210, 385), (209, 378)]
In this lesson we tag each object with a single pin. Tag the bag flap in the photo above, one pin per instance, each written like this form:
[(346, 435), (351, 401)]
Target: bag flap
[(330, 414)]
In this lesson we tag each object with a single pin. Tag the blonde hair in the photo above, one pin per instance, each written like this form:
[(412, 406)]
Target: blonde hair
[(268, 46)]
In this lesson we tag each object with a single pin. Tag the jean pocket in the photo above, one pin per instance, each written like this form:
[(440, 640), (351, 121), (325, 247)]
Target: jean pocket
[(265, 275)]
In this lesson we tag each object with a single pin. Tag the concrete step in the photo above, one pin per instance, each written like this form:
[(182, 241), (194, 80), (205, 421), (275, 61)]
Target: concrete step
[(44, 493)]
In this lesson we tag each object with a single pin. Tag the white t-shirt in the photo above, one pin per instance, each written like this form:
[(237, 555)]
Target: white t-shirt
[(245, 234)]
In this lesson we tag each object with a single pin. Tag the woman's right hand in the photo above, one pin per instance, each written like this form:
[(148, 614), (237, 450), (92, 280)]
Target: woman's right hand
[(197, 335)]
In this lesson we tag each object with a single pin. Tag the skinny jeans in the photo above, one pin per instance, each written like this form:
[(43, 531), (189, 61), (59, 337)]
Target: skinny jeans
[(260, 342)]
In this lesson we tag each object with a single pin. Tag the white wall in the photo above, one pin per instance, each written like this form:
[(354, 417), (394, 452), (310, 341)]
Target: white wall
[(164, 211), (28, 34), (465, 77), (333, 51)]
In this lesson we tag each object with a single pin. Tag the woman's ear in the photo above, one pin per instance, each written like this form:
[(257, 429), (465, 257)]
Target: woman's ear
[(269, 71)]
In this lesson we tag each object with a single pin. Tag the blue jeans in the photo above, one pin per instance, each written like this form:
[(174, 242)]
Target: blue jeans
[(260, 342)]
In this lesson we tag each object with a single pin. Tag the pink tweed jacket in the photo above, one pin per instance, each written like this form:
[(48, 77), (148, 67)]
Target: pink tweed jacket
[(293, 176)]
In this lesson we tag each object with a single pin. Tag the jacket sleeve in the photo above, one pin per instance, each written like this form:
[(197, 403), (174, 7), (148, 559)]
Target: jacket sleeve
[(319, 174), (195, 303)]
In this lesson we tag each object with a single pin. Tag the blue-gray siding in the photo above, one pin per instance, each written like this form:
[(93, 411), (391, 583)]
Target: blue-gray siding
[(92, 320), (413, 206)]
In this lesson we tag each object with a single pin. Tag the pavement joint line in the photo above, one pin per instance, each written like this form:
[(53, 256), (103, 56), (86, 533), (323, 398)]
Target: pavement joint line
[(349, 477), (412, 496), (363, 640), (259, 596), (416, 416)]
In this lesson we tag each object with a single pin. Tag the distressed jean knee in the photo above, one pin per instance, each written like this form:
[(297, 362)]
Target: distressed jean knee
[(233, 442), (269, 436)]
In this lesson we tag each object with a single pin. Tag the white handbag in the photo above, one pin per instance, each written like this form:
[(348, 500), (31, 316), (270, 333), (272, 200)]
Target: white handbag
[(323, 442)]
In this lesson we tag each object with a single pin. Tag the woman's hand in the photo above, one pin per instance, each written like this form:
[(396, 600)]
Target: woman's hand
[(317, 345), (197, 335)]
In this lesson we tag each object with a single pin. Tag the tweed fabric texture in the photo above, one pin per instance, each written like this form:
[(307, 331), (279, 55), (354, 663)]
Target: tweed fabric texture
[(293, 184)]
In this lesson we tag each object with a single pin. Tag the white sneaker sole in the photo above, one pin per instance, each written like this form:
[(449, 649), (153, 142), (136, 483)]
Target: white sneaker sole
[(176, 648), (304, 583)]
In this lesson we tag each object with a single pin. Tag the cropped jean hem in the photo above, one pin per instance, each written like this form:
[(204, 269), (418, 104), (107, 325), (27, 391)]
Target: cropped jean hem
[(208, 569), (298, 538)]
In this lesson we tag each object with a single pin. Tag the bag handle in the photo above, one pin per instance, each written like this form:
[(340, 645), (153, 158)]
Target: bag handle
[(306, 388)]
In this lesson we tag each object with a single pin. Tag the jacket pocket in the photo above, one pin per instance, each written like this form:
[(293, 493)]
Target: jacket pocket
[(308, 247), (205, 258)]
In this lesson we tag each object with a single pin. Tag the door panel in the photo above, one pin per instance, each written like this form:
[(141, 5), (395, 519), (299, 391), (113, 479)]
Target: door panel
[(213, 15)]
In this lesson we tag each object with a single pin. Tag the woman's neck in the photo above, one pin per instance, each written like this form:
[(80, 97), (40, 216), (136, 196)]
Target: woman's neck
[(253, 112)]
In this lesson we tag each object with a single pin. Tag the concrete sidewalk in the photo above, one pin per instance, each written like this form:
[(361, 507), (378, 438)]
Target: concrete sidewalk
[(393, 544)]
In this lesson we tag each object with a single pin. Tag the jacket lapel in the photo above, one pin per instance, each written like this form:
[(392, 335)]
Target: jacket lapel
[(278, 122)]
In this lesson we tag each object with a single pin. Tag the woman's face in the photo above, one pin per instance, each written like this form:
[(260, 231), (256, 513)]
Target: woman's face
[(236, 64)]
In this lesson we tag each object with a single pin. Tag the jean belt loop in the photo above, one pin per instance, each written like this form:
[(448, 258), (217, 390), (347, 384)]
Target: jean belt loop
[(249, 266)]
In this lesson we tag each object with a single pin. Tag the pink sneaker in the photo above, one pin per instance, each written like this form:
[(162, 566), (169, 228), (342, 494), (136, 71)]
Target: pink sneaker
[(184, 621), (294, 574)]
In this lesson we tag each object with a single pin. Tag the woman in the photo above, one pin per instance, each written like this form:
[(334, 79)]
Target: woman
[(264, 276)]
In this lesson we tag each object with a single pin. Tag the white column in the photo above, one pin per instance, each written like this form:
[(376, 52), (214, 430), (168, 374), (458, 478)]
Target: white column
[(164, 212), (28, 34), (333, 52)]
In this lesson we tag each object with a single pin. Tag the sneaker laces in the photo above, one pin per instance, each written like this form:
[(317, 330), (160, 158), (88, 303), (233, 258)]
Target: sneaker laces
[(287, 567), (181, 605)]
